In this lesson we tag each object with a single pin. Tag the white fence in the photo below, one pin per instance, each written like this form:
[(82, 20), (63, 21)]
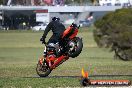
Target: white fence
[(63, 8)]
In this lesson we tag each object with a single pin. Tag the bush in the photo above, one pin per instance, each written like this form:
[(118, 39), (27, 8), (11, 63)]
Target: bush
[(114, 30)]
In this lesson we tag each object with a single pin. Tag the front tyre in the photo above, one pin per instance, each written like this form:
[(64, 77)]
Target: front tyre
[(76, 49), (42, 69)]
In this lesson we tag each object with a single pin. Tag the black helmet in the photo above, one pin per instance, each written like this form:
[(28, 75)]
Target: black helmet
[(55, 19)]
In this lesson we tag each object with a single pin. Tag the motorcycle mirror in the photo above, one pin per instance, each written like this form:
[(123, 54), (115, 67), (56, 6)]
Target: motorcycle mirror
[(78, 26), (73, 24)]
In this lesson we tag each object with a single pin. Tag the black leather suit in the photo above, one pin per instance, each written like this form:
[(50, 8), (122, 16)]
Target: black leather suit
[(57, 29)]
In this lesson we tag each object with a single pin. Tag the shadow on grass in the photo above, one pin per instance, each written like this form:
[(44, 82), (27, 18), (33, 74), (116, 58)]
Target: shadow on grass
[(80, 76), (110, 75)]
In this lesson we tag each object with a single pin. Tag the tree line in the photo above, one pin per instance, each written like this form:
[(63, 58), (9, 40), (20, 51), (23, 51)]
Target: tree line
[(114, 30)]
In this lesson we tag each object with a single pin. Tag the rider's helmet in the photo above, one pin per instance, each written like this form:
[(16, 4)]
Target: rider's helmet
[(55, 19)]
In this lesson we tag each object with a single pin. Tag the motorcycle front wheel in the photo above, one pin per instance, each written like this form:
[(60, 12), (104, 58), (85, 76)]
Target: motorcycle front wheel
[(42, 69)]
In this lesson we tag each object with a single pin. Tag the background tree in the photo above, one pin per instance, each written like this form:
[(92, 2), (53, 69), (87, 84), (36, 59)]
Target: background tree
[(1, 2), (114, 30), (94, 2)]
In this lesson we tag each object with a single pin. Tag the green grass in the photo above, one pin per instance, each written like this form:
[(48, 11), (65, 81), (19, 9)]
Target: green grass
[(20, 50)]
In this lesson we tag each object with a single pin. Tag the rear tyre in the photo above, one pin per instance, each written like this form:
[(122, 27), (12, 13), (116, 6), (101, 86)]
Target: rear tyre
[(77, 49), (42, 69), (85, 82)]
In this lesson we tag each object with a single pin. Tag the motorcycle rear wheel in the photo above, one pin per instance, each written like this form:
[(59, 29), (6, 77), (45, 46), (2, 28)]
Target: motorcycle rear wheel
[(42, 69), (79, 45)]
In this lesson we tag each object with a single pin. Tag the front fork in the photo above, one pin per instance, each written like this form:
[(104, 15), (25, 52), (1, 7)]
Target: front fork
[(41, 60)]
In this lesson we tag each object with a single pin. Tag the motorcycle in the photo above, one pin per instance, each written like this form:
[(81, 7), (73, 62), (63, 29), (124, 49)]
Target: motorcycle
[(71, 46)]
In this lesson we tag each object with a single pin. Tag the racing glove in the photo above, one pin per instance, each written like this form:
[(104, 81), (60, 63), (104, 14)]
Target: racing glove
[(43, 40)]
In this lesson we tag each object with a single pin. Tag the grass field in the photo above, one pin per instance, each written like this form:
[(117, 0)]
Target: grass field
[(19, 52)]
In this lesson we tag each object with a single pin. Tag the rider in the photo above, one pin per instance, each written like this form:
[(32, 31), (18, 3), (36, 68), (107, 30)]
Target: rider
[(57, 28)]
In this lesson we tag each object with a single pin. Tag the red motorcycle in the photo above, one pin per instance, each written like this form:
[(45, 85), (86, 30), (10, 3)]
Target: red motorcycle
[(71, 46)]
